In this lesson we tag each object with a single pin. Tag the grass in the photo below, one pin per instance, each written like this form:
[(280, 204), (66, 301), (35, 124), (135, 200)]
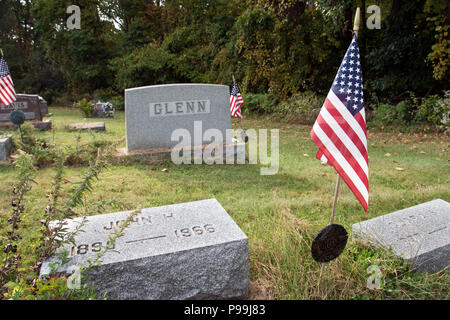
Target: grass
[(280, 214)]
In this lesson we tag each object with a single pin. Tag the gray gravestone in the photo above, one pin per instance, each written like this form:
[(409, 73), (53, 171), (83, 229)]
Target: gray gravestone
[(419, 234), (185, 251), (6, 145), (94, 126), (154, 112)]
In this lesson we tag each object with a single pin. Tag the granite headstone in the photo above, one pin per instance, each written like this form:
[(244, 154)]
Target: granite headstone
[(30, 104), (154, 112), (419, 234), (185, 251)]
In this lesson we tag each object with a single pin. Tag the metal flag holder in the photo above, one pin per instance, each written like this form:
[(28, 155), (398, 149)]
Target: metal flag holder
[(244, 135), (331, 241)]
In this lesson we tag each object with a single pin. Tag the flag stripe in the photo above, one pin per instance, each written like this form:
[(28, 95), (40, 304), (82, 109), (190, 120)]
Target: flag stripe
[(349, 118), (341, 172), (6, 86), (8, 96), (338, 136), (9, 89), (7, 92), (346, 129), (340, 164), (342, 151), (236, 101)]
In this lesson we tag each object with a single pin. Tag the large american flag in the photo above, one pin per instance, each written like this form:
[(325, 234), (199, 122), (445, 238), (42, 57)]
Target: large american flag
[(7, 92), (236, 101), (340, 129)]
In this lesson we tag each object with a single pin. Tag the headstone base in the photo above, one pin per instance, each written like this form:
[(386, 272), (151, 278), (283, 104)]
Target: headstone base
[(217, 272), (236, 149), (39, 125)]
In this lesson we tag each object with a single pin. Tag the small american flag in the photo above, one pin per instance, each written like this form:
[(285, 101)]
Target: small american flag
[(236, 101), (7, 92), (340, 129)]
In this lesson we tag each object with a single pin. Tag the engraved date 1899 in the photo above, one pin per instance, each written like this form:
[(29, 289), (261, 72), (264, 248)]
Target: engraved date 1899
[(195, 231)]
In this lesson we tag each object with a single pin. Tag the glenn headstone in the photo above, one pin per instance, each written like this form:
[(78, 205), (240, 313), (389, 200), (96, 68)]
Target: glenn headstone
[(185, 251), (154, 112), (419, 234)]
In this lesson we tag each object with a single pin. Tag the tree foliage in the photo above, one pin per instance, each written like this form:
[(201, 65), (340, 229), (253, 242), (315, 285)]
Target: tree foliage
[(280, 47)]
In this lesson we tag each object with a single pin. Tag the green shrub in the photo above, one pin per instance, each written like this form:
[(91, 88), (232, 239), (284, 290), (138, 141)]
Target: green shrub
[(432, 111), (386, 114), (52, 288), (301, 108), (42, 151), (118, 102), (256, 103), (435, 110), (85, 106)]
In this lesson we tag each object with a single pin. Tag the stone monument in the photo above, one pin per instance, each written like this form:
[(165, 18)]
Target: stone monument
[(185, 251), (419, 234), (153, 113), (32, 107)]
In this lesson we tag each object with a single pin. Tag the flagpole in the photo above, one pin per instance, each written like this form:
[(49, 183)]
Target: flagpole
[(357, 21), (338, 182)]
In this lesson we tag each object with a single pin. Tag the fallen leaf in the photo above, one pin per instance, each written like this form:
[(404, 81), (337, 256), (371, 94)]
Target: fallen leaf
[(306, 155), (399, 169), (422, 152), (387, 154), (165, 170)]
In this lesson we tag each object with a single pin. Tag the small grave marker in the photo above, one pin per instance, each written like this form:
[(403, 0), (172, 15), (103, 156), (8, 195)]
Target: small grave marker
[(185, 251), (419, 234)]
